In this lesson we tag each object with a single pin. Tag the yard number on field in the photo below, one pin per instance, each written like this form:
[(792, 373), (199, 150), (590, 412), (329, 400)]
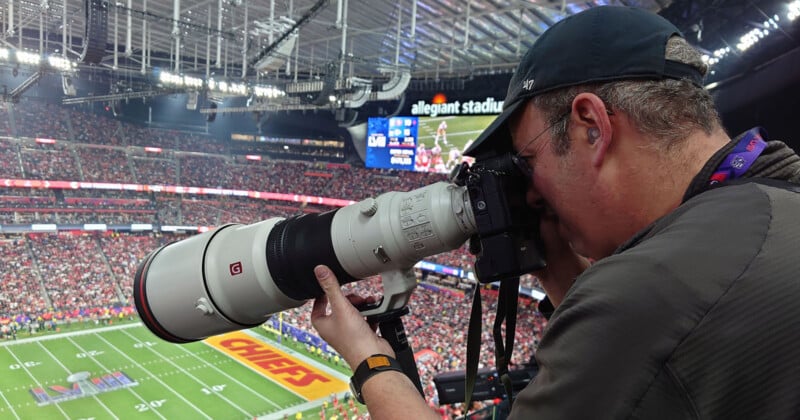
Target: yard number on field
[(28, 364), (212, 389), (151, 404), (90, 353)]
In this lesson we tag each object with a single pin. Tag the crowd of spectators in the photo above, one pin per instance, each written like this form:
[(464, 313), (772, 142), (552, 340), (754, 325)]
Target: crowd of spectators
[(20, 288), (93, 128), (104, 164), (79, 162), (199, 212), (54, 164), (9, 159), (76, 272), (40, 119), (203, 171), (155, 171), (80, 124), (125, 252)]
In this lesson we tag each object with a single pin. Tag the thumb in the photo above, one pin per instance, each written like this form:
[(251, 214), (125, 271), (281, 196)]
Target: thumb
[(330, 285)]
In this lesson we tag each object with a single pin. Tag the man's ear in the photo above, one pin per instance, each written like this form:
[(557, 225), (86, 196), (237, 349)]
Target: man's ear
[(590, 126)]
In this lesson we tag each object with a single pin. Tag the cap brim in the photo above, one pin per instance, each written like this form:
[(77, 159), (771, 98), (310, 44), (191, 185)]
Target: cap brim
[(496, 138)]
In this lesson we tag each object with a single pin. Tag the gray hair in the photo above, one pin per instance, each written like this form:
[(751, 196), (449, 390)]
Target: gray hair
[(667, 110)]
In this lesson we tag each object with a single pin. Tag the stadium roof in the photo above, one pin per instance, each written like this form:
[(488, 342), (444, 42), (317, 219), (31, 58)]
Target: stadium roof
[(430, 37), (424, 39)]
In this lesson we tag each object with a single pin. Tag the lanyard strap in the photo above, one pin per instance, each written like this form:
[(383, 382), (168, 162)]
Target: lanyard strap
[(741, 158)]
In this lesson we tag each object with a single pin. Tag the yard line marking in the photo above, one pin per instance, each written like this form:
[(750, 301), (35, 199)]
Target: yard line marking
[(153, 376), (259, 395), (69, 373), (9, 406), (39, 384), (69, 334), (191, 376)]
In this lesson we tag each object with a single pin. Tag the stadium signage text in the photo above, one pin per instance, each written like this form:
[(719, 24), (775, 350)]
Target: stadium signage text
[(301, 378), (487, 106)]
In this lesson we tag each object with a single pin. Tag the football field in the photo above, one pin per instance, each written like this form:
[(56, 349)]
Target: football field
[(125, 372), (460, 129)]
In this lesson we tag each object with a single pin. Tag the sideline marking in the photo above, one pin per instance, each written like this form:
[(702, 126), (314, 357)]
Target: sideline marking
[(69, 334)]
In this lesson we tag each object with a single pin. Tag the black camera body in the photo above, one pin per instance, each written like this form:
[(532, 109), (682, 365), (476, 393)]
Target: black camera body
[(450, 386), (507, 242)]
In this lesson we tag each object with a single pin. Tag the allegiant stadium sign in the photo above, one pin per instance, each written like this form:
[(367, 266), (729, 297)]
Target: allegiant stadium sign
[(487, 106)]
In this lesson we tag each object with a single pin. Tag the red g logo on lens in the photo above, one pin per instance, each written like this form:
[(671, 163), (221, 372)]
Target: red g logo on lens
[(236, 268)]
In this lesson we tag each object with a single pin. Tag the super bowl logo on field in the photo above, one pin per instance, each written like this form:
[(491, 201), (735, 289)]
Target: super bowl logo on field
[(82, 385)]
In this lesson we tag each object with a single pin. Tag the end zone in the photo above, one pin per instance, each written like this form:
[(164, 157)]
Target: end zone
[(305, 380)]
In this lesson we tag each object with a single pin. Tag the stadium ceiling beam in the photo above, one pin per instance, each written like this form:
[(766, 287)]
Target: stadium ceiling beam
[(181, 23), (119, 96), (299, 24), (17, 92)]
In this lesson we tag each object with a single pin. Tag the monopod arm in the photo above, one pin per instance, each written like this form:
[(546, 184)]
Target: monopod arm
[(397, 288)]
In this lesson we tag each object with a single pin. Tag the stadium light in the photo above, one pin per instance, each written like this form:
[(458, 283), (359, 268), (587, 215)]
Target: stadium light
[(24, 57), (168, 78), (794, 10), (61, 63), (267, 92), (752, 37), (227, 87)]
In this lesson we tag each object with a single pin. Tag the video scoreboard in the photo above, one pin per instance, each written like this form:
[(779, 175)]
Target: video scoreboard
[(392, 142)]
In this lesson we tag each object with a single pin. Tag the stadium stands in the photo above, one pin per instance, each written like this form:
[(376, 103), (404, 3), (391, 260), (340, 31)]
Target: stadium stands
[(68, 272)]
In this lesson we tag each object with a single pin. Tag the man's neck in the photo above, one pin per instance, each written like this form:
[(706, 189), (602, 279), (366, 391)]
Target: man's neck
[(684, 165), (662, 178)]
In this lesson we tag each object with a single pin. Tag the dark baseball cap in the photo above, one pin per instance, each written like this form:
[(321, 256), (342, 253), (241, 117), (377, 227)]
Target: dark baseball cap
[(600, 44)]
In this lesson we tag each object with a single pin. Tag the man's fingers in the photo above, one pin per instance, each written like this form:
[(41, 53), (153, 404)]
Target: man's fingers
[(320, 307), (327, 280)]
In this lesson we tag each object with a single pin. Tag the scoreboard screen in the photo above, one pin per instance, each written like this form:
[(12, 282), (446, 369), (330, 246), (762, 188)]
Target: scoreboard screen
[(392, 142), (422, 144)]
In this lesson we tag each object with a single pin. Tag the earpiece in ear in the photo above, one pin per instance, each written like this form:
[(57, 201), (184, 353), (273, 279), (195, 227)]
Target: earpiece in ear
[(594, 134)]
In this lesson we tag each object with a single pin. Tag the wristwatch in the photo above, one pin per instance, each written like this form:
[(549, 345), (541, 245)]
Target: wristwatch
[(370, 367)]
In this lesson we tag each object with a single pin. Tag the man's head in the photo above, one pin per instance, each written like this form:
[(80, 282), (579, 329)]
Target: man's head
[(603, 105)]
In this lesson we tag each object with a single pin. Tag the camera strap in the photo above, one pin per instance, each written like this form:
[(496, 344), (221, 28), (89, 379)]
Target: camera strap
[(506, 311)]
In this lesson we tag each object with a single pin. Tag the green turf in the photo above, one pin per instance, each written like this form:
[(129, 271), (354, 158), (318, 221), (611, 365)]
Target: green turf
[(174, 381), (459, 129)]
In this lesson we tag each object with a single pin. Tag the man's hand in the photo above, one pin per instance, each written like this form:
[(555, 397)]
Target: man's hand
[(341, 325), (563, 263)]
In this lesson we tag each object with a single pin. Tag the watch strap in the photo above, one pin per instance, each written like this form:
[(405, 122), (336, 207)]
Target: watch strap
[(370, 367)]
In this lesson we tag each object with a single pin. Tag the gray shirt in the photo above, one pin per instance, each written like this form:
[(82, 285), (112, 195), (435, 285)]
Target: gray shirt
[(696, 316)]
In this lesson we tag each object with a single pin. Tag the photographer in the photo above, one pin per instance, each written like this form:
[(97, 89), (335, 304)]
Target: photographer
[(691, 310)]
